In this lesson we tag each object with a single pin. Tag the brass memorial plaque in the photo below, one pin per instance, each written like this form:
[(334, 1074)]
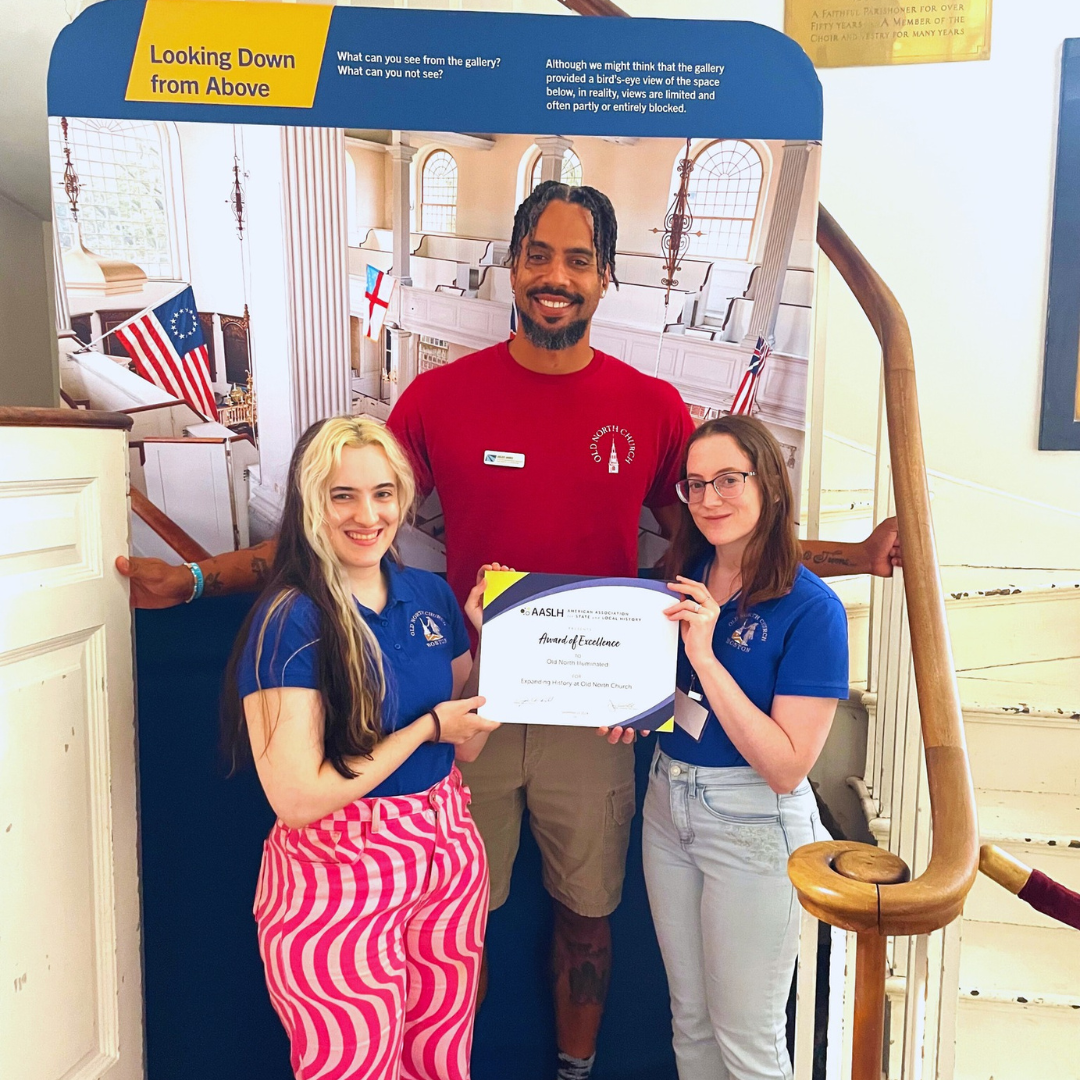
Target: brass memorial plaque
[(843, 33)]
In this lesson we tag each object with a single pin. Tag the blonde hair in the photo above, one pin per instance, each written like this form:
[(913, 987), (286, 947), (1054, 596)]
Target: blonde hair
[(352, 680)]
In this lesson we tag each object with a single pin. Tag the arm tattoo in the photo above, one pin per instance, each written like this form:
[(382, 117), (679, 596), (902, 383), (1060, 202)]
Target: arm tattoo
[(826, 558), (260, 568), (212, 585)]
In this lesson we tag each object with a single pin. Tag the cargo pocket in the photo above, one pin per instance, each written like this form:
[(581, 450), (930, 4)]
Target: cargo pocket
[(620, 812)]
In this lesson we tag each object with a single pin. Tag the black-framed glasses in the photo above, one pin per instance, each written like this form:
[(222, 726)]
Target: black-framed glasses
[(728, 485)]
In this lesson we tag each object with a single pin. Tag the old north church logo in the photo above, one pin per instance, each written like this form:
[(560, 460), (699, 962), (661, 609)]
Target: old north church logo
[(614, 445), (752, 628), (430, 625)]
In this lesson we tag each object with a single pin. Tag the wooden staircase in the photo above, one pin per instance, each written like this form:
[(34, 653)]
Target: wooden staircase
[(1018, 992)]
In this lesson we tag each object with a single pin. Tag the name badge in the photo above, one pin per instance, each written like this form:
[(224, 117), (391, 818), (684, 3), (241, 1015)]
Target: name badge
[(504, 458), (690, 715)]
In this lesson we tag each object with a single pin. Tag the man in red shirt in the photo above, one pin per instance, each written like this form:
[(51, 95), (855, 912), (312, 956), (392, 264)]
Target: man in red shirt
[(543, 451)]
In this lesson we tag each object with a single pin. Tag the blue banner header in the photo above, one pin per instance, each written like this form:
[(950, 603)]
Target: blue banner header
[(201, 60)]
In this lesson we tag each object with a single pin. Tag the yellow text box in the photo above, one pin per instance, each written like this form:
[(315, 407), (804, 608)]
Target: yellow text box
[(211, 53), (867, 33)]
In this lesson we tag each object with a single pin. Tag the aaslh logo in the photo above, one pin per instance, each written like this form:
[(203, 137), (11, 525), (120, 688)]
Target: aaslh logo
[(612, 444), (747, 631), (430, 625)]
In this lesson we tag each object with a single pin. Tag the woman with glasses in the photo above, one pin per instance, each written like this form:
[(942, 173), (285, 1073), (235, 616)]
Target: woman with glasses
[(762, 661), (346, 687)]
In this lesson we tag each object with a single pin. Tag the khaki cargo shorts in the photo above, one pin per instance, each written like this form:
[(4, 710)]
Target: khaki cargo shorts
[(580, 793)]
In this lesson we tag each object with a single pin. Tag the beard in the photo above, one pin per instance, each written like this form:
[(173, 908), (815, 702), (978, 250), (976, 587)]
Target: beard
[(553, 340)]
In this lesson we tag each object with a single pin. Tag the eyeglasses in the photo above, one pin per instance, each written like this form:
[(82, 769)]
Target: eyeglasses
[(727, 485)]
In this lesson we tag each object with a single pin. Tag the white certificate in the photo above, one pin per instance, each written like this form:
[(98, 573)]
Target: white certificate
[(589, 652)]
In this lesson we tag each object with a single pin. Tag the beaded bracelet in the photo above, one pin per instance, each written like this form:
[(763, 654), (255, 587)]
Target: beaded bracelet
[(197, 574)]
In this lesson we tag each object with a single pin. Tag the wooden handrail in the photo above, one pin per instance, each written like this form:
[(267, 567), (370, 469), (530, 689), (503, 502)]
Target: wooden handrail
[(1000, 866), (826, 888), (188, 549), (1034, 887)]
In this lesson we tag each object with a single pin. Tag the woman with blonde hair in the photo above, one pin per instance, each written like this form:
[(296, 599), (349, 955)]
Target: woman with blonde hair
[(346, 688)]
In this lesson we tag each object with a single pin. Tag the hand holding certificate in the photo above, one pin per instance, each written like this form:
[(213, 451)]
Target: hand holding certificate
[(588, 652)]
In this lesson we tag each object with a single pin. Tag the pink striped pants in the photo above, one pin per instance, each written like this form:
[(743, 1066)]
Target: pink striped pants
[(371, 924)]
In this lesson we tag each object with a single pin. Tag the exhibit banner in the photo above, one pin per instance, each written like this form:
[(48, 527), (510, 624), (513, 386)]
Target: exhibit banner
[(271, 213)]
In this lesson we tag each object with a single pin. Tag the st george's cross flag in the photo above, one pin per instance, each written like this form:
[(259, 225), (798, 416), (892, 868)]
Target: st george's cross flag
[(380, 287), (169, 350), (746, 396)]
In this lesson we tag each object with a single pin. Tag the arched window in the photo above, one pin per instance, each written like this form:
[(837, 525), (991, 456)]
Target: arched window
[(723, 197), (571, 170), (125, 197), (438, 193)]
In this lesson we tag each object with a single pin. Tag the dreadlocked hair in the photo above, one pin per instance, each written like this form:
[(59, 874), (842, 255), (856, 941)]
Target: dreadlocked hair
[(605, 227)]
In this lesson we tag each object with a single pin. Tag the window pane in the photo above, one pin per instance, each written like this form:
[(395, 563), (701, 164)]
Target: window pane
[(122, 197), (438, 194), (571, 170), (723, 197)]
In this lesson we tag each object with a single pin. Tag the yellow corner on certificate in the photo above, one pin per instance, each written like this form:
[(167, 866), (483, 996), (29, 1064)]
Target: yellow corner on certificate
[(667, 725), (215, 53), (496, 582), (837, 33)]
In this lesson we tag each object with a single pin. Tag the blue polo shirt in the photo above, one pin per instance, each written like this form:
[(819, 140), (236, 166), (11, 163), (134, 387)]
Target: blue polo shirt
[(794, 645), (420, 631)]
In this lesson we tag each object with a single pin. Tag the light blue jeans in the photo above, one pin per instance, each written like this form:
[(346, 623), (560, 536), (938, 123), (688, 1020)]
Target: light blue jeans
[(716, 844)]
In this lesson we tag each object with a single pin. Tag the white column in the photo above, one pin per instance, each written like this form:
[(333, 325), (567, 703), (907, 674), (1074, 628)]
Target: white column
[(769, 280), (403, 363), (299, 296), (552, 149), (401, 153), (317, 265)]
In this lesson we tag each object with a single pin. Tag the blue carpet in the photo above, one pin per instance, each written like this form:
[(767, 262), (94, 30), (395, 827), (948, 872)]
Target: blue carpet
[(207, 1011)]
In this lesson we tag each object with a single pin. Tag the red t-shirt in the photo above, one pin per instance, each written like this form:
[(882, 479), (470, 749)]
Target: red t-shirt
[(596, 445)]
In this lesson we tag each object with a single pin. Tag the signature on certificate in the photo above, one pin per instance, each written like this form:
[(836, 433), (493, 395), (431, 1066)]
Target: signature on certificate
[(534, 701), (620, 706)]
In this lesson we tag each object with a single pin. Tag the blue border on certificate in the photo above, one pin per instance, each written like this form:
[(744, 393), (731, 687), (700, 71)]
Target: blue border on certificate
[(534, 586)]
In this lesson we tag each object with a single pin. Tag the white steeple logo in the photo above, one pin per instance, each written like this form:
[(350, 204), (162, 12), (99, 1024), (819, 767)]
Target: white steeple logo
[(613, 461)]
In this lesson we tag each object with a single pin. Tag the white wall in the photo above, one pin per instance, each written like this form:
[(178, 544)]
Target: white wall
[(28, 366), (370, 191), (217, 272)]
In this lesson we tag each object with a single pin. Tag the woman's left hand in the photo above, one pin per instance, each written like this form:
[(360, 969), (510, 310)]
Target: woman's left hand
[(698, 614), (474, 605)]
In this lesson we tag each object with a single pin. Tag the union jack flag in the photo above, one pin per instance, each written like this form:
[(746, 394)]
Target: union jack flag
[(169, 350), (746, 396), (380, 287)]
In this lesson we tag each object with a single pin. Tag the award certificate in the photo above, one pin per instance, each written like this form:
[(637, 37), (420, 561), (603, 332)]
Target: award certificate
[(578, 651)]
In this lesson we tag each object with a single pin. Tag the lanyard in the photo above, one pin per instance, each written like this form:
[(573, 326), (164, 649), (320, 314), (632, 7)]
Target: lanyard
[(692, 694)]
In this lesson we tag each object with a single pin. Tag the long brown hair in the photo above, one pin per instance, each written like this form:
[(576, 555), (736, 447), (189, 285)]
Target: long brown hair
[(351, 679), (772, 555)]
